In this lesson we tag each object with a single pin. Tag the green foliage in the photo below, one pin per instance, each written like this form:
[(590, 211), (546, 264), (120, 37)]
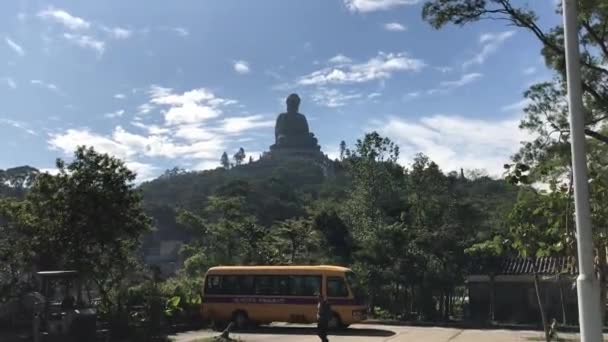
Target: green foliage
[(88, 217), (224, 161)]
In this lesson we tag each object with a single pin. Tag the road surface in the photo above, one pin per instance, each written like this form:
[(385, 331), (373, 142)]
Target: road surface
[(365, 332)]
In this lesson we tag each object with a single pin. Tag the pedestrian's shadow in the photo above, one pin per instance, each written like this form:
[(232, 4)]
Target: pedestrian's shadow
[(272, 330)]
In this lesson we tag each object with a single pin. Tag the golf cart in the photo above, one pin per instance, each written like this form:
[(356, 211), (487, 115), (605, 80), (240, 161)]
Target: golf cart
[(62, 314)]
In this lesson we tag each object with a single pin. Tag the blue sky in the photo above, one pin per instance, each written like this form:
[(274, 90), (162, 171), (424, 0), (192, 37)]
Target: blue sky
[(176, 83)]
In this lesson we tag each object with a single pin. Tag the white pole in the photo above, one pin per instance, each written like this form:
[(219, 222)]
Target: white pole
[(587, 283)]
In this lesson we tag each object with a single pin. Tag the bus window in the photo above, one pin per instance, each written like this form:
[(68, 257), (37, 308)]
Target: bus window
[(336, 287), (305, 285), (283, 285), (230, 284), (246, 285), (213, 285), (264, 285)]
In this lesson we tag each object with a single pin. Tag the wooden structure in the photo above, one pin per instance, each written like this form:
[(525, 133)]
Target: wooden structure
[(503, 290)]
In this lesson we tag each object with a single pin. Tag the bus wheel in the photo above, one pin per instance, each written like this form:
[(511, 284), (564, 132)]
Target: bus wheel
[(240, 319), (335, 322)]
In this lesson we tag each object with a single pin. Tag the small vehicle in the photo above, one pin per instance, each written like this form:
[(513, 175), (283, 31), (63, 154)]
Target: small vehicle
[(61, 312), (249, 295)]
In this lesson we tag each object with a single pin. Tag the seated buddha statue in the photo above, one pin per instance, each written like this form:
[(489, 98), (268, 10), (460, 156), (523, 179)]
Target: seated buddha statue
[(291, 129)]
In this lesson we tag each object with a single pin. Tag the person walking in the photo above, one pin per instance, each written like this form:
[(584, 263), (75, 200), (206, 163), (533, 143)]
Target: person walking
[(323, 313)]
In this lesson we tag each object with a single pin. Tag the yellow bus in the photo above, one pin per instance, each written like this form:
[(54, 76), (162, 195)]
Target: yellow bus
[(248, 295)]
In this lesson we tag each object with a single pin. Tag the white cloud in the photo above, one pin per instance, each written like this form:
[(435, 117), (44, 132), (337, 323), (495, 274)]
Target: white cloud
[(10, 82), (413, 94), (396, 27), (454, 141), (64, 18), (491, 42), (86, 42), (340, 59), (115, 114), (377, 68), (443, 69), (517, 106), (181, 31), (333, 98), (190, 107), (241, 67), (49, 86), (373, 95), (120, 96), (145, 108), (464, 80), (18, 124), (529, 71), (145, 172), (118, 32), (151, 129), (376, 5), (243, 123), (194, 133), (14, 46)]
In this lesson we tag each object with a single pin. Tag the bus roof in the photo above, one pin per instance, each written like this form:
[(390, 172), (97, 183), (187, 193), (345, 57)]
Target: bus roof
[(284, 268)]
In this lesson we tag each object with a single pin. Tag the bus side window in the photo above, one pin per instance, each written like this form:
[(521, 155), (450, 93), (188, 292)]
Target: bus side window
[(246, 285), (307, 285), (264, 285), (283, 285), (213, 285), (336, 287), (230, 284)]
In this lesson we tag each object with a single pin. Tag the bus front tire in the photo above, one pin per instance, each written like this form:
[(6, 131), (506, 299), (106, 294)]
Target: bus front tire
[(240, 319), (335, 323)]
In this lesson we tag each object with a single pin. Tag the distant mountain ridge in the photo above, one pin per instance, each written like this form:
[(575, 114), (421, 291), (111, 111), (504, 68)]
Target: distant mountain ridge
[(14, 182)]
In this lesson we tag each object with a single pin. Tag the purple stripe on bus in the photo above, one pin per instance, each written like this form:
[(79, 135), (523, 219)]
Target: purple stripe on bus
[(275, 300)]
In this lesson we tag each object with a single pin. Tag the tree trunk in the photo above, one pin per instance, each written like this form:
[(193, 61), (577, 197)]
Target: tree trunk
[(540, 305), (561, 299), (492, 299), (602, 277), (441, 305)]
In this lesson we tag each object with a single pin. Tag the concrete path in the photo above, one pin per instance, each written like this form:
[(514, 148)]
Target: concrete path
[(307, 333)]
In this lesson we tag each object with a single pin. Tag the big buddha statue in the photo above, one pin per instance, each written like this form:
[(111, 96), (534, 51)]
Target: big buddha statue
[(291, 131)]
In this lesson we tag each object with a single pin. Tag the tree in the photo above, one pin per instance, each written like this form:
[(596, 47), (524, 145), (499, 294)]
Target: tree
[(89, 217), (298, 240), (250, 159), (342, 149), (224, 161), (239, 156), (547, 114)]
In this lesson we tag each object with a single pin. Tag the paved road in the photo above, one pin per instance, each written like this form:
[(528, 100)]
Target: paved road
[(307, 333)]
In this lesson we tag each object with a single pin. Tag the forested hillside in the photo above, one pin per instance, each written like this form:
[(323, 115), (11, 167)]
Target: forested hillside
[(405, 230)]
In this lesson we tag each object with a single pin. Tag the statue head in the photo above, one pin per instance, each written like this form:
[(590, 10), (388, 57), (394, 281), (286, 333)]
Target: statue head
[(293, 103)]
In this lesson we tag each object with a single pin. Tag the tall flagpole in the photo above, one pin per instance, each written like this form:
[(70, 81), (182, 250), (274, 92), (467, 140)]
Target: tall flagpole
[(587, 283)]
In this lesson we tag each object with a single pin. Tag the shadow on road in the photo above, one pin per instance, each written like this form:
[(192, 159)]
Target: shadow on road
[(313, 331)]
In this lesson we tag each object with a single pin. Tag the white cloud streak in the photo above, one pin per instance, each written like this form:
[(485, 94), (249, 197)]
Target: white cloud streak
[(86, 42), (490, 44), (454, 141), (376, 5), (333, 98), (64, 18), (14, 46), (395, 27), (241, 67), (18, 124), (339, 59), (464, 80), (377, 68), (10, 82)]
